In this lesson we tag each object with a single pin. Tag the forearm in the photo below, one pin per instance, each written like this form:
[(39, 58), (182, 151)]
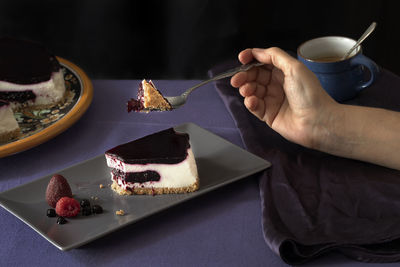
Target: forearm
[(363, 133)]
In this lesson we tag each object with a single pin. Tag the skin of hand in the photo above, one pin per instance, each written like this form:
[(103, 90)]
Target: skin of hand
[(289, 98), (285, 94)]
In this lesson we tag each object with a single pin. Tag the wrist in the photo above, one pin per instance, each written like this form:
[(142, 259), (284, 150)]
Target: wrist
[(362, 133), (343, 132), (328, 131)]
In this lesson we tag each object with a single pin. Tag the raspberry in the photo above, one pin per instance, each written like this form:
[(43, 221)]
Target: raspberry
[(67, 207)]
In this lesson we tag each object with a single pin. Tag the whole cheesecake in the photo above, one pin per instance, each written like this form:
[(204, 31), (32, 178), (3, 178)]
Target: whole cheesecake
[(30, 76), (160, 163)]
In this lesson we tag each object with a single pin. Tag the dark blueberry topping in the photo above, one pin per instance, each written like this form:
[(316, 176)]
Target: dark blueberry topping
[(25, 62), (3, 103), (85, 203), (86, 211), (51, 213), (61, 220), (137, 177), (97, 209), (168, 147), (20, 96), (134, 105)]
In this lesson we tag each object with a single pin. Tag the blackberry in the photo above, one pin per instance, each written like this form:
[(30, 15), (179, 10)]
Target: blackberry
[(97, 209), (85, 203), (86, 211), (51, 213), (61, 220)]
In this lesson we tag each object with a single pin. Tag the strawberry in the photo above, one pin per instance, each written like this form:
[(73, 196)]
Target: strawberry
[(57, 188), (67, 207)]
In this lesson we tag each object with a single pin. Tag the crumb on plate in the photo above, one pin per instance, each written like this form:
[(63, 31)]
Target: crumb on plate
[(120, 212)]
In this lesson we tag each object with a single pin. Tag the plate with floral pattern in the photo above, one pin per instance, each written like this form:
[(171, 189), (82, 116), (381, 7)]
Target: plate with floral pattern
[(42, 125)]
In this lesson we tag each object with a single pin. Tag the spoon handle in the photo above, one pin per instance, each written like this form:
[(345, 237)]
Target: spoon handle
[(367, 32)]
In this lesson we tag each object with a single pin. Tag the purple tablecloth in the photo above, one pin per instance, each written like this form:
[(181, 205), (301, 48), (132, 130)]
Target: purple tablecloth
[(221, 228)]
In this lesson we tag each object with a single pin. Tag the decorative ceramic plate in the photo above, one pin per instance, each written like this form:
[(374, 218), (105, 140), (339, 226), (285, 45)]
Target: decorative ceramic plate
[(219, 163), (41, 125)]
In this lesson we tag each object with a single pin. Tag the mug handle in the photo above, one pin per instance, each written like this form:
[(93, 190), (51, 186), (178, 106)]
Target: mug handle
[(371, 66)]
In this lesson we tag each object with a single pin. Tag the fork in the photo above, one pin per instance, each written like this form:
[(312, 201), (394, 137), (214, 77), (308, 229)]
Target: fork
[(180, 100)]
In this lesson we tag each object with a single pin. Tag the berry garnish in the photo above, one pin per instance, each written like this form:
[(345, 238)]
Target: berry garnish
[(57, 188), (61, 220), (67, 207), (86, 211), (97, 209), (85, 203), (51, 213)]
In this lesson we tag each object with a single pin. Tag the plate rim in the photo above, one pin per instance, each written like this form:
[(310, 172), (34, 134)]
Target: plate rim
[(61, 125)]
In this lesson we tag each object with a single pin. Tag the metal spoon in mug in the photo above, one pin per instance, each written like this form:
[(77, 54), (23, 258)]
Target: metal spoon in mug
[(367, 32)]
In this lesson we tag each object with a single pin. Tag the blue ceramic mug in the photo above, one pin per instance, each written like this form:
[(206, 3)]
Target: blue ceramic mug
[(342, 79)]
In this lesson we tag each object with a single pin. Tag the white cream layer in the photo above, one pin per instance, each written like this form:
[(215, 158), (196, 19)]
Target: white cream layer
[(177, 175), (48, 92), (7, 120)]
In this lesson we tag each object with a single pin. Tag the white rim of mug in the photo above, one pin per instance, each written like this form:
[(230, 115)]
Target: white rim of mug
[(322, 37)]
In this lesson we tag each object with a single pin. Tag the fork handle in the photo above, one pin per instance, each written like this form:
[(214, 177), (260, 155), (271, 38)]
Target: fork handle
[(225, 74), (233, 71)]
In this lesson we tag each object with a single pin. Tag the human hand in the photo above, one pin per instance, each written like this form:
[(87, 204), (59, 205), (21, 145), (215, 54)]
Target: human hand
[(285, 94)]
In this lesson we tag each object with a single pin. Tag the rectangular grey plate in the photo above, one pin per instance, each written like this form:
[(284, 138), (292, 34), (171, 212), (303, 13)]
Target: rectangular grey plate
[(219, 163)]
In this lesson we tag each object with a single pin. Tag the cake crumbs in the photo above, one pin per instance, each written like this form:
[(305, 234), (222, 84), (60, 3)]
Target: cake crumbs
[(120, 212)]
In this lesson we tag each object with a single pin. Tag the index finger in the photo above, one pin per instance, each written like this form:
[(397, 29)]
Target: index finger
[(274, 56), (246, 56)]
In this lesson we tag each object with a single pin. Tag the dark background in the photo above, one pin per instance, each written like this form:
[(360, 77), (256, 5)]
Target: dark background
[(181, 39)]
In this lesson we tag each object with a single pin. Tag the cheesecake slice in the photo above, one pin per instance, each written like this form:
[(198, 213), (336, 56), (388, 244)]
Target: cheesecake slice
[(148, 99), (160, 163), (9, 128), (30, 77)]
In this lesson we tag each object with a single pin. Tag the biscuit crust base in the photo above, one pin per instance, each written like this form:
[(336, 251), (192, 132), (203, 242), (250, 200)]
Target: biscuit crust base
[(153, 99), (10, 135), (155, 190)]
